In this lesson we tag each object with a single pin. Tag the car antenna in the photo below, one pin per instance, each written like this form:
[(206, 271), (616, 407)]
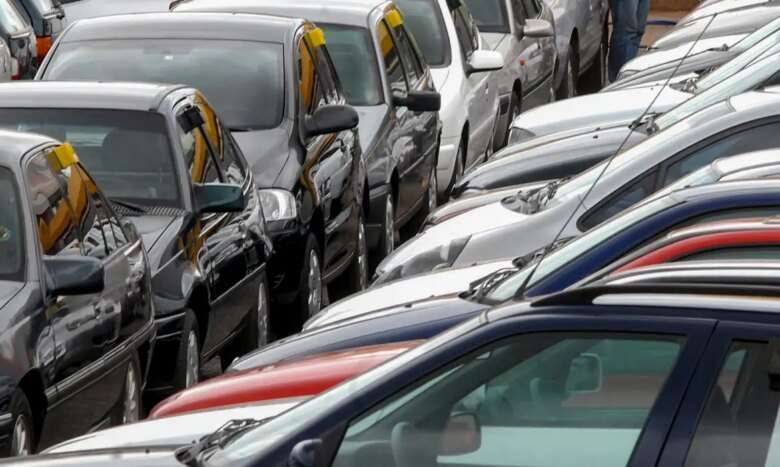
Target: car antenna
[(612, 157)]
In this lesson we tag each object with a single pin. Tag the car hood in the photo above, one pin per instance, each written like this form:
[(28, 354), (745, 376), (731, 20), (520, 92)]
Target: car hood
[(674, 54), (493, 39), (371, 119), (267, 152), (718, 7), (8, 290), (477, 220), (152, 228), (600, 109), (440, 76), (405, 291), (458, 206), (131, 457), (172, 431)]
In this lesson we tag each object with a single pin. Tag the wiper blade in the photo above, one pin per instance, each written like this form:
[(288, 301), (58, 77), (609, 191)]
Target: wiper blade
[(190, 455), (128, 205), (491, 281)]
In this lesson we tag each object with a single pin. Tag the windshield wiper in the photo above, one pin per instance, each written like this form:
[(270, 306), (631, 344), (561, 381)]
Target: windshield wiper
[(548, 192), (482, 287), (137, 208), (189, 455)]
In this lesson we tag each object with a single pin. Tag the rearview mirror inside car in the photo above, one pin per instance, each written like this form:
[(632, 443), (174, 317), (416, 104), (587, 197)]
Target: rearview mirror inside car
[(419, 101), (73, 275), (219, 197), (483, 61), (462, 435), (331, 119), (585, 374), (537, 28)]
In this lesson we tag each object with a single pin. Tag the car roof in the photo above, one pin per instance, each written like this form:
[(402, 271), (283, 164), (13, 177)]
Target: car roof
[(750, 160), (730, 225), (352, 12), (84, 95), (711, 271), (725, 189), (16, 144), (165, 25), (769, 96)]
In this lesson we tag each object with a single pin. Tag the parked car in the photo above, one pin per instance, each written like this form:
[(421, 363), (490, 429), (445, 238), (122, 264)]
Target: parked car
[(20, 37), (8, 65), (169, 164), (75, 297), (524, 35), (47, 19), (388, 82), (564, 154), (575, 379), (290, 119), (390, 318), (460, 61), (721, 7), (76, 10)]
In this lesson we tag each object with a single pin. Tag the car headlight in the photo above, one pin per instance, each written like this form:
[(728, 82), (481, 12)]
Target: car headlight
[(404, 265), (518, 135), (278, 205)]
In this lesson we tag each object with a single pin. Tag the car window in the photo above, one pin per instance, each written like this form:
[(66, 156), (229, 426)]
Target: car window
[(11, 229), (490, 15), (11, 19), (532, 8), (327, 74), (751, 139), (308, 80), (548, 399), (234, 166), (740, 424), (464, 29), (406, 48), (636, 192), (757, 252), (520, 12), (56, 229), (93, 217), (425, 22), (393, 66), (353, 56)]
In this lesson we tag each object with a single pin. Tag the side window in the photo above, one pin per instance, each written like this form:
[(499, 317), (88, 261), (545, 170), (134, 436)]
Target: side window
[(551, 399), (636, 192), (468, 43), (519, 12), (412, 65), (308, 80), (328, 77), (757, 252), (740, 425), (531, 8), (57, 230), (752, 139), (235, 165), (393, 66), (195, 148), (98, 236)]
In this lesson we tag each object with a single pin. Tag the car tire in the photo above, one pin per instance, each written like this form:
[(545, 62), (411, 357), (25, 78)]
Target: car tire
[(596, 77), (429, 203), (355, 277), (131, 393), (23, 440), (389, 237), (257, 332), (568, 87), (515, 108), (188, 362), (310, 289)]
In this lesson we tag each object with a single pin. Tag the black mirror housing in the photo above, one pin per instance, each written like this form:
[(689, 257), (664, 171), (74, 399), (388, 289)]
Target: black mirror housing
[(419, 101), (73, 275), (190, 119), (219, 197), (331, 118)]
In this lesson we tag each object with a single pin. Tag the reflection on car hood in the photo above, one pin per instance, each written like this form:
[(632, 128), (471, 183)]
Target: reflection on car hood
[(93, 8), (8, 290), (267, 152), (493, 39), (371, 118), (172, 431), (440, 76), (405, 291), (598, 110), (151, 228)]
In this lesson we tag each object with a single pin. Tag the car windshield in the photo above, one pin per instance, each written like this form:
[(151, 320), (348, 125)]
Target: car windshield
[(490, 15), (572, 250), (11, 229), (128, 153), (751, 77), (255, 442), (243, 80), (427, 25), (11, 20), (769, 46), (353, 56), (703, 176)]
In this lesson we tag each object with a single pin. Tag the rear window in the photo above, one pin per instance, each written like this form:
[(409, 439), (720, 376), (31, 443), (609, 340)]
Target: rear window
[(243, 80), (424, 20), (11, 229), (490, 15)]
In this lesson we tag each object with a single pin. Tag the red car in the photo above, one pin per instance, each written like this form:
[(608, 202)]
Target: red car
[(296, 378)]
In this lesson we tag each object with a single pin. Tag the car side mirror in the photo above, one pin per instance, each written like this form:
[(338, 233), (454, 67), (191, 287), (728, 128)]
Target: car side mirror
[(537, 28), (419, 101), (73, 275), (586, 374), (483, 61), (219, 197), (462, 435), (330, 119), (305, 453)]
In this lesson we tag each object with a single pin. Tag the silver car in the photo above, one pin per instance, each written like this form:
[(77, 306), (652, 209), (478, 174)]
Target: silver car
[(7, 65), (522, 32)]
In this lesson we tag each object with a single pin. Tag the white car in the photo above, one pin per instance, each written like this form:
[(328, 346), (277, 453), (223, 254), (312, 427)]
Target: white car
[(6, 62), (460, 63)]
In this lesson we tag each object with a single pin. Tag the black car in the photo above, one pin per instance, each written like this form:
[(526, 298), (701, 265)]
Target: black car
[(385, 77), (47, 19), (169, 165), (273, 82), (635, 376), (20, 37), (75, 296)]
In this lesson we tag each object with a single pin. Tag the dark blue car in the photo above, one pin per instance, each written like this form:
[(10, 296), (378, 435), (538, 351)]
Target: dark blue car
[(611, 376), (561, 268)]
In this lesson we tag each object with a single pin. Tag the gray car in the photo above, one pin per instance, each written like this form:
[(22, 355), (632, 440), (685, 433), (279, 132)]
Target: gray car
[(522, 32), (522, 224)]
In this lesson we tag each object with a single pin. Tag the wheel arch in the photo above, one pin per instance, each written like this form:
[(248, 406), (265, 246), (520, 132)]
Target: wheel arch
[(32, 386)]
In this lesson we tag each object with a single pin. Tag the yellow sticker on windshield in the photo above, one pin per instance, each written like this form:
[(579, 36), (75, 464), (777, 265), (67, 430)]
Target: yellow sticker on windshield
[(394, 18), (316, 38), (63, 156)]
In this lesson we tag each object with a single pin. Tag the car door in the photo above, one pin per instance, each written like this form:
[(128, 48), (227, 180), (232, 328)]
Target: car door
[(481, 94), (86, 391), (559, 392), (730, 417), (528, 52), (541, 57)]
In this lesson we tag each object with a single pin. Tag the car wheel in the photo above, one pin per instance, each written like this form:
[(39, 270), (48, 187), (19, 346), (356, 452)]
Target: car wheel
[(188, 362), (390, 234), (515, 108), (22, 434), (431, 201), (256, 333), (596, 76), (131, 402), (568, 86), (355, 278), (310, 290)]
